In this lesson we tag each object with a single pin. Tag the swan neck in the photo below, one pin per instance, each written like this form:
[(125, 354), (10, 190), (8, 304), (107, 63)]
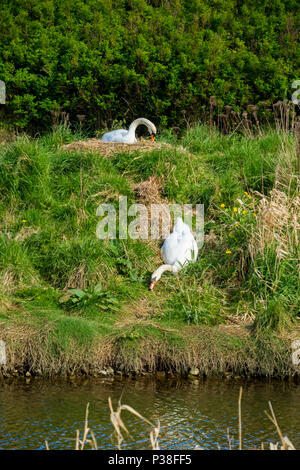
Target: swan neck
[(141, 121), (133, 126), (159, 271)]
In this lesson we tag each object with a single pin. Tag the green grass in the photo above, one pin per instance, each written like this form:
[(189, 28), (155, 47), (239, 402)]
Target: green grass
[(57, 276)]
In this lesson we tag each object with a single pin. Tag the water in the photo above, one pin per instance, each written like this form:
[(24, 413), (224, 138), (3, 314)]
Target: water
[(191, 413)]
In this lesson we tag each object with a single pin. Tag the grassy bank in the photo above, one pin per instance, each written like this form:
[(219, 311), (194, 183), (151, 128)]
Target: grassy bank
[(71, 303)]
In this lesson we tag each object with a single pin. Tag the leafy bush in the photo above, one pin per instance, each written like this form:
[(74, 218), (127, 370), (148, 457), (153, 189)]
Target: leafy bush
[(107, 60)]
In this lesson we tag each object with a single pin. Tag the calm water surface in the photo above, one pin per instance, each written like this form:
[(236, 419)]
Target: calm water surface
[(190, 412)]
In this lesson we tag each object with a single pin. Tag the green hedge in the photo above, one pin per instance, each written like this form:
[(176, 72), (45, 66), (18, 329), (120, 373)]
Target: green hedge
[(120, 59)]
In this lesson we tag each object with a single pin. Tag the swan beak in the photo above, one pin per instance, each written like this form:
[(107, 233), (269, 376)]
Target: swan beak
[(152, 284), (152, 137)]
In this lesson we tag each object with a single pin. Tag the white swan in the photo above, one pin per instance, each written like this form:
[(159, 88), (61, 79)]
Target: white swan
[(128, 137), (178, 249)]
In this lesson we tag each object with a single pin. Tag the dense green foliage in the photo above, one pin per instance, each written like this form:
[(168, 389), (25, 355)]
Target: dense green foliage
[(118, 59)]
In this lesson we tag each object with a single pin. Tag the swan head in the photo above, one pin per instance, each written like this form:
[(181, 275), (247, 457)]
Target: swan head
[(157, 275), (152, 283), (151, 129)]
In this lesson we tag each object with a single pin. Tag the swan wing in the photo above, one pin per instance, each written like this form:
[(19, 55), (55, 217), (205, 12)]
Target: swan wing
[(187, 250), (180, 246), (189, 241), (115, 136), (169, 249)]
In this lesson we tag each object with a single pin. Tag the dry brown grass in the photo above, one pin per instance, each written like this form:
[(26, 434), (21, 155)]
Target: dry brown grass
[(6, 305), (9, 217), (280, 215), (78, 278), (136, 309), (11, 279), (25, 232), (149, 191), (278, 224), (211, 239)]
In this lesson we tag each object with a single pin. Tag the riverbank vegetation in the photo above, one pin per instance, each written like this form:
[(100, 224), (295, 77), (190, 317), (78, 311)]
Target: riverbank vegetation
[(71, 303)]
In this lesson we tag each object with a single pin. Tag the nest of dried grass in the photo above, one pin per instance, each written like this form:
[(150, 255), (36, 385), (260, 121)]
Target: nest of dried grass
[(108, 149)]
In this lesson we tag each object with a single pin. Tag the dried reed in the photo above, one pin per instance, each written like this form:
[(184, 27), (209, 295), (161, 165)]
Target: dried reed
[(88, 437)]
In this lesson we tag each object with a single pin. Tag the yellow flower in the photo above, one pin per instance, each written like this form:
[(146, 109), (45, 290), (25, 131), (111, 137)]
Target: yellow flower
[(249, 196), (245, 192), (222, 205), (253, 214), (24, 221), (118, 279), (235, 209), (244, 212), (228, 252)]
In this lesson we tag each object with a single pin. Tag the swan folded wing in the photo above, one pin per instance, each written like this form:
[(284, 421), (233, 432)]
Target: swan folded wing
[(170, 249), (187, 250), (115, 136), (188, 241), (179, 249)]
